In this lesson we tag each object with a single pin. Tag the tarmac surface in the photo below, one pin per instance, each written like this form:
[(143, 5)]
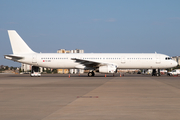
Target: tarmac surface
[(58, 97)]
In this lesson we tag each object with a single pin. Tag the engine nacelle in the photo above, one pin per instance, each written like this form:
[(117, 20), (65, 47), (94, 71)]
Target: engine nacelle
[(108, 69)]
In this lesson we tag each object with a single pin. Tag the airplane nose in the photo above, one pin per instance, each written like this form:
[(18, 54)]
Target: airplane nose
[(175, 63)]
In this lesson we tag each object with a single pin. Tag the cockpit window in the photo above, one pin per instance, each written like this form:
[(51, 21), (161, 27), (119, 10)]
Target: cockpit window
[(168, 58)]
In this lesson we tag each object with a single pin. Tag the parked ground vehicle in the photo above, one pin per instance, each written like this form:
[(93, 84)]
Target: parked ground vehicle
[(35, 72), (174, 72)]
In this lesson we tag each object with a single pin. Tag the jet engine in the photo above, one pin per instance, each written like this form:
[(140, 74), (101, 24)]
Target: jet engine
[(108, 69)]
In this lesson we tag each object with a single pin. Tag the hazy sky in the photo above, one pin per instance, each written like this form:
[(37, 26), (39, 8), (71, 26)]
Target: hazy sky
[(98, 26)]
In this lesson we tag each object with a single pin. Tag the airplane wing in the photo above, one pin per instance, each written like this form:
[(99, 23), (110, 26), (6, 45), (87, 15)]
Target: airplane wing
[(91, 63)]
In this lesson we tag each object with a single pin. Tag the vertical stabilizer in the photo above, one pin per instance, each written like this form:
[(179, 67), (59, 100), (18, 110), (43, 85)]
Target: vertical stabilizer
[(17, 43)]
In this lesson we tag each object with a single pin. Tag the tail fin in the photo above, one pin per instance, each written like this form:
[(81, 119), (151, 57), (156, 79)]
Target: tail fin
[(17, 43)]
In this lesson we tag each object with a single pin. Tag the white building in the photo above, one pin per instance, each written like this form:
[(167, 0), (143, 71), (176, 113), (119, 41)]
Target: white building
[(177, 59), (25, 67)]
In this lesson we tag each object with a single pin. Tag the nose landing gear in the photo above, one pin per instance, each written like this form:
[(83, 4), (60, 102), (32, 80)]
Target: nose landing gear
[(156, 72)]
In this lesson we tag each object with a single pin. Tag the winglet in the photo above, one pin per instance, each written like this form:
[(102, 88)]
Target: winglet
[(17, 43)]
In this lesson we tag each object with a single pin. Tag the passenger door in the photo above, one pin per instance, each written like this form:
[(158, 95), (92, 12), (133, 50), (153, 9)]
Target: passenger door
[(34, 59), (158, 59)]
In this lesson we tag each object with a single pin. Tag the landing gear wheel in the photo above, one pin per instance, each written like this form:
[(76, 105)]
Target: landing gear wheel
[(90, 74)]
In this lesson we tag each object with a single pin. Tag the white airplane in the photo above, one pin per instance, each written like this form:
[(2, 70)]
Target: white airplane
[(95, 62)]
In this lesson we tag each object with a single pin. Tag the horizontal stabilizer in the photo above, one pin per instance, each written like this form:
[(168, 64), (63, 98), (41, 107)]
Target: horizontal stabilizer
[(13, 57)]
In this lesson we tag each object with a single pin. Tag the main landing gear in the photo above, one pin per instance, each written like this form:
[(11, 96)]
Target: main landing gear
[(156, 72), (90, 74)]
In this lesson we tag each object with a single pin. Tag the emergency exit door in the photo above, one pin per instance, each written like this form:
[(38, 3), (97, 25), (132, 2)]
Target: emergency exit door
[(123, 60)]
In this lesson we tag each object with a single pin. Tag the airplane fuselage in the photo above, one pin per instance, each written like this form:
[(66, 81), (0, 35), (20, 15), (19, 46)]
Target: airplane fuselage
[(101, 62), (121, 60)]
